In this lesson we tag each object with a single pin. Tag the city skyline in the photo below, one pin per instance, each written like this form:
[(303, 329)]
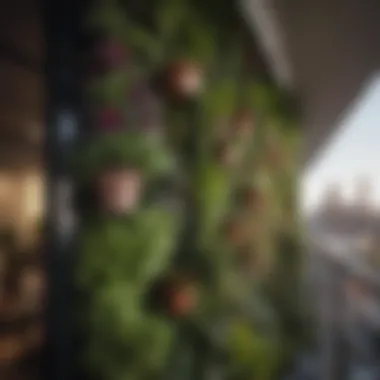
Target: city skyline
[(351, 155)]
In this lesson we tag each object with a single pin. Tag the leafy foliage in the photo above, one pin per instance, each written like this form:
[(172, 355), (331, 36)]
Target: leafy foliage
[(121, 258)]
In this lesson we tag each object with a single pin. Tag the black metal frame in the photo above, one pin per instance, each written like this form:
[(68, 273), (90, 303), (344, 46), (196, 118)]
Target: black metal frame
[(63, 22)]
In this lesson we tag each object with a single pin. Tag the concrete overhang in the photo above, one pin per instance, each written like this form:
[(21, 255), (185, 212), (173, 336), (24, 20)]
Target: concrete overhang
[(324, 50)]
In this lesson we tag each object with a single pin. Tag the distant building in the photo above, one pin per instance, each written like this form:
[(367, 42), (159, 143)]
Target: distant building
[(363, 195), (333, 199), (354, 223)]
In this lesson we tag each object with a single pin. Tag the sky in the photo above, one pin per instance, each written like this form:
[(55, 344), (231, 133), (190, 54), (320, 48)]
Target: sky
[(352, 152)]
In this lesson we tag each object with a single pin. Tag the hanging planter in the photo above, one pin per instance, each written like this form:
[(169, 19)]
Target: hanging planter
[(118, 189), (175, 295), (182, 299), (183, 79)]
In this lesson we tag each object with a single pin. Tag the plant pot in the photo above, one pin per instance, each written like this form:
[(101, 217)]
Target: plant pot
[(184, 79), (181, 299), (118, 190)]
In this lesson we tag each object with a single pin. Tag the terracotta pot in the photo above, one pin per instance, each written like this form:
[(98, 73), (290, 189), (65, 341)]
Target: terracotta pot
[(182, 299), (118, 189), (184, 79)]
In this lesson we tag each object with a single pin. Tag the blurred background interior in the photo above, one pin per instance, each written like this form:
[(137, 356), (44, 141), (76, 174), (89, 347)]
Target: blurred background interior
[(21, 191), (328, 51)]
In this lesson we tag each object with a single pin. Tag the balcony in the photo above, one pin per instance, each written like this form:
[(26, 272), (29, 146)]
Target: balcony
[(323, 50)]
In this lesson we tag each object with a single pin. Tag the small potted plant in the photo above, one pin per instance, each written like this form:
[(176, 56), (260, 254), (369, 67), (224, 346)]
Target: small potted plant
[(175, 295), (182, 297), (118, 165), (118, 188), (182, 79)]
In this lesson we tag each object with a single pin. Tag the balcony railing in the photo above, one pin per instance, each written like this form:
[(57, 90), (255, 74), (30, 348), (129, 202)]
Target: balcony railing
[(348, 313)]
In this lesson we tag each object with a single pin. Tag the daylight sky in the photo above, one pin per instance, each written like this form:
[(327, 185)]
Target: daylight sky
[(354, 151)]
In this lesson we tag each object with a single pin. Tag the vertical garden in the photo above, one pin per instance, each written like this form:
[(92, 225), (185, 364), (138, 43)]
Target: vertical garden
[(189, 257)]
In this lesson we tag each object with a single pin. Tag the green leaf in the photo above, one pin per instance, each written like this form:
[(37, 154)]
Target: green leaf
[(161, 227), (145, 152), (252, 352), (108, 18), (219, 101), (170, 16), (212, 197), (155, 340), (262, 97), (110, 89), (200, 43), (142, 42)]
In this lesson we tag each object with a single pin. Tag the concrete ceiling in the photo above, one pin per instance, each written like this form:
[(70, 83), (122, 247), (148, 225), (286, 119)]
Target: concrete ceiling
[(331, 47), (334, 46)]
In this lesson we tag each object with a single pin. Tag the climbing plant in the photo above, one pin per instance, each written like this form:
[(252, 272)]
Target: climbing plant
[(188, 188)]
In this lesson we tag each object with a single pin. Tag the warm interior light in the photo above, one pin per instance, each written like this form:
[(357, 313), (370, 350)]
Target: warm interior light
[(4, 186), (33, 197)]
